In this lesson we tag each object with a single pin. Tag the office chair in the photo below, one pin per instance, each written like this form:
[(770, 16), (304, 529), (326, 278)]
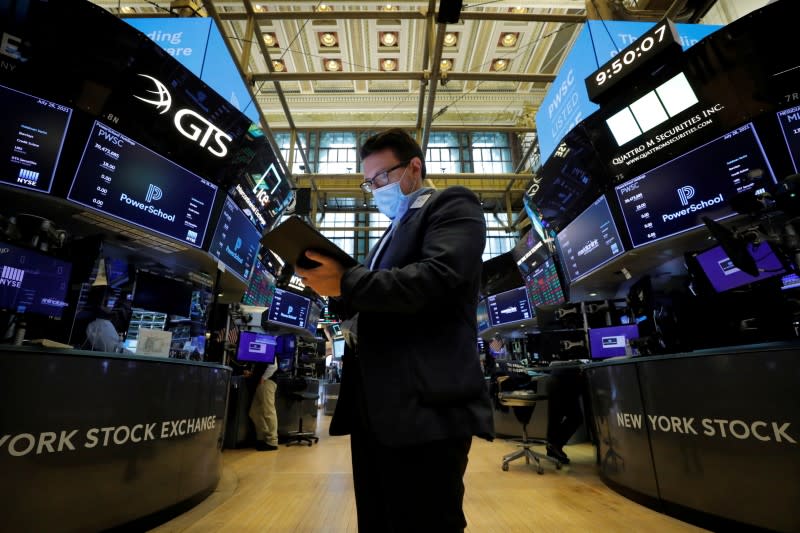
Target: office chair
[(522, 402), (301, 402)]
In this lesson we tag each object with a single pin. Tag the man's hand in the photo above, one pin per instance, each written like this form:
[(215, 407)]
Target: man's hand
[(325, 279)]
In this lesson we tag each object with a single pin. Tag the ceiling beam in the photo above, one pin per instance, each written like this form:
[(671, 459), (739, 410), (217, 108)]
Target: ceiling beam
[(535, 77), (212, 10), (432, 84), (400, 15), (278, 90)]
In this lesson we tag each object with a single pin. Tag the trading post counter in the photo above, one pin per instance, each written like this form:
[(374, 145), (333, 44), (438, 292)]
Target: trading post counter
[(711, 436), (93, 440)]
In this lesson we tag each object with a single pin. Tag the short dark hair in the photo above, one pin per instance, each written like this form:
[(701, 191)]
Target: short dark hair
[(402, 145)]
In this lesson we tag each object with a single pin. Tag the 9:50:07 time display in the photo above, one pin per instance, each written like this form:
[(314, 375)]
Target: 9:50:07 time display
[(654, 42)]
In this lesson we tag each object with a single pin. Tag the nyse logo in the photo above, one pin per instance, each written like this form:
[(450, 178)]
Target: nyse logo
[(188, 123), (153, 193), (11, 277), (685, 194), (28, 177)]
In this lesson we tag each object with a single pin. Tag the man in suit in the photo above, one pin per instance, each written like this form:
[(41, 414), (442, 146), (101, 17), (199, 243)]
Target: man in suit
[(412, 393)]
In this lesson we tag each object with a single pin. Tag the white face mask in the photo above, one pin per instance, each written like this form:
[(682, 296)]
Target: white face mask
[(390, 198)]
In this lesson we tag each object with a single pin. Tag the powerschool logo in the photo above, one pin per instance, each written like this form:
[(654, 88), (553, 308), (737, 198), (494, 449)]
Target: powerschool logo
[(188, 123), (685, 194), (154, 193)]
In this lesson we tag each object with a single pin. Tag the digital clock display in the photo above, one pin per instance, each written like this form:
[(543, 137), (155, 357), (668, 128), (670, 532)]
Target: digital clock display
[(661, 37)]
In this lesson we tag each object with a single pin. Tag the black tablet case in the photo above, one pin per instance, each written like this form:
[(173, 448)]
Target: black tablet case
[(292, 237)]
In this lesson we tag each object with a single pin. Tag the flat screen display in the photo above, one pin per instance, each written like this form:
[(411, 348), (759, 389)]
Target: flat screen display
[(31, 282), (126, 180), (257, 347), (162, 295), (789, 120), (672, 198), (289, 308), (724, 275), (529, 250), (611, 341), (261, 287), (338, 348), (31, 139), (314, 312), (544, 285), (589, 241), (509, 306), (790, 281), (236, 240), (483, 316)]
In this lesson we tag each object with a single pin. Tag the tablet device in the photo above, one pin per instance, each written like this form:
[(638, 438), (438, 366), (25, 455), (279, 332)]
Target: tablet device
[(292, 237)]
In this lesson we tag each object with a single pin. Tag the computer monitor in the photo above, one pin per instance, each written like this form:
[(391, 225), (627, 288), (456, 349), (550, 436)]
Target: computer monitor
[(509, 306), (289, 309), (236, 240), (338, 348), (590, 241), (256, 347), (32, 282), (261, 288), (543, 284), (32, 135), (611, 341), (724, 275), (500, 274), (162, 295), (483, 316)]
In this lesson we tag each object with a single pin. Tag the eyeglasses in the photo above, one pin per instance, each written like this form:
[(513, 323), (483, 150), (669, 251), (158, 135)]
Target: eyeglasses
[(380, 179)]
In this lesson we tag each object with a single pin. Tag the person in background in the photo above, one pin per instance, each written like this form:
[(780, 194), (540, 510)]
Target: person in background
[(564, 414), (262, 409), (412, 393)]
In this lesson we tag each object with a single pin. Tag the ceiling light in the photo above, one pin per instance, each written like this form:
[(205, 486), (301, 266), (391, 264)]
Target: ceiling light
[(450, 39), (328, 39), (518, 10), (278, 65), (389, 64), (499, 65), (127, 9), (324, 8), (389, 38), (388, 7), (271, 40), (508, 40), (446, 65), (260, 8), (333, 65)]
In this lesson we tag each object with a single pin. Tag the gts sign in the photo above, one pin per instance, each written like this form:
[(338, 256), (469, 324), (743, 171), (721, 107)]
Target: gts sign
[(188, 122)]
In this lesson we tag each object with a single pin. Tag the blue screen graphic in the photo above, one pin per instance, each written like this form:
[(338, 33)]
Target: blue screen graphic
[(289, 308), (124, 179), (611, 341), (31, 139), (236, 241), (509, 306), (589, 241), (31, 282), (258, 347), (483, 316), (672, 198), (724, 275)]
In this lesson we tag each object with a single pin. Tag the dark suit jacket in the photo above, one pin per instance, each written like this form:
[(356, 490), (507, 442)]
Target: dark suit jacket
[(417, 327)]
